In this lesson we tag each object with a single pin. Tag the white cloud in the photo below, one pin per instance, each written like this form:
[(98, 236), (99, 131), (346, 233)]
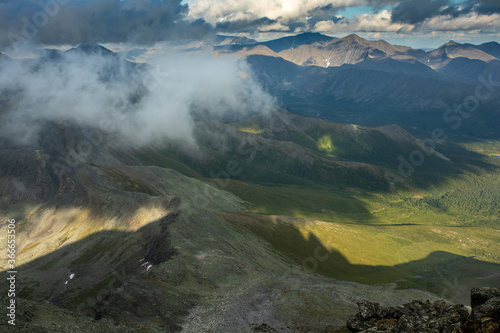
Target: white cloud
[(379, 22), (469, 22), (274, 27), (293, 11), (214, 11), (73, 90)]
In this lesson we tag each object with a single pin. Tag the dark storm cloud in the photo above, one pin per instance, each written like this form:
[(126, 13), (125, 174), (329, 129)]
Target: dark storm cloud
[(243, 25), (97, 21), (488, 7), (325, 13), (417, 11), (149, 21)]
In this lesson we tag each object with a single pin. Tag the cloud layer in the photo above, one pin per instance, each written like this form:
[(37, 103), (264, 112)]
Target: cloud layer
[(150, 21), (97, 21), (322, 15), (143, 106), (418, 11)]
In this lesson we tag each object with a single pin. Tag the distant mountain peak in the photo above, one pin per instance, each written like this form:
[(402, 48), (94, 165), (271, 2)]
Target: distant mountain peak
[(223, 39), (353, 38), (451, 43), (93, 49), (490, 43), (310, 37), (307, 38), (311, 34)]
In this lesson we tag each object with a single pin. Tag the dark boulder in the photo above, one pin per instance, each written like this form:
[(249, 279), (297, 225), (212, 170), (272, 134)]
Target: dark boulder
[(485, 325), (416, 316), (437, 317), (485, 303)]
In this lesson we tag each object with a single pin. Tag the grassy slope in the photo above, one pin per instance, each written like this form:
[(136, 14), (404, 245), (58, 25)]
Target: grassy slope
[(370, 237), (445, 212), (472, 199), (287, 149), (386, 237), (444, 239), (235, 278), (437, 259)]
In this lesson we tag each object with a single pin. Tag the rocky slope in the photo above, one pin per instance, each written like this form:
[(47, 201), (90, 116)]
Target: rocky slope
[(438, 316)]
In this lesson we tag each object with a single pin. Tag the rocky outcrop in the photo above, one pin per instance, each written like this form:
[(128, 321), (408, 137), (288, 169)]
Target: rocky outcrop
[(416, 316), (485, 302), (438, 317), (485, 316), (485, 325)]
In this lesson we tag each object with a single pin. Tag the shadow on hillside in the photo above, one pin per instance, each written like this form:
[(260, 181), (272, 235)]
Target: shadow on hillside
[(302, 202), (32, 178), (44, 175), (110, 277), (110, 280), (448, 275), (278, 158)]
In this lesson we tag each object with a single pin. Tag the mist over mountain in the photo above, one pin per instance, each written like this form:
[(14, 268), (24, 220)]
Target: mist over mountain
[(234, 185), (92, 86)]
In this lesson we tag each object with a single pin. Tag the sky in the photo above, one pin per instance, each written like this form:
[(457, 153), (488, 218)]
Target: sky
[(416, 23), (185, 87)]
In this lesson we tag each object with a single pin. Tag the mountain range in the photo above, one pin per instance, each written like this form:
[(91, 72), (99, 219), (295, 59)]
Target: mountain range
[(278, 221), (320, 50), (346, 79)]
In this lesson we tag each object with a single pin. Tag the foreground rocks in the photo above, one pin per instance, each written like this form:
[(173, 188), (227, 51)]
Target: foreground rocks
[(438, 317)]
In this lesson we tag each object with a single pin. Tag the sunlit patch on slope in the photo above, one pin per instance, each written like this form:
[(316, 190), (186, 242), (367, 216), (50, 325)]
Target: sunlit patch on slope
[(49, 228), (325, 144), (251, 129)]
